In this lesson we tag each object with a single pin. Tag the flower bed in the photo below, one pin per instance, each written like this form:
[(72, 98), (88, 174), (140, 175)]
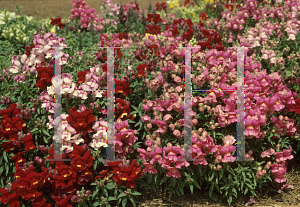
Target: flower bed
[(149, 106)]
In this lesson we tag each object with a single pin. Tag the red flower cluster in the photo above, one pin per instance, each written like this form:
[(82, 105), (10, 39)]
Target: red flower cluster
[(102, 57), (122, 87), (188, 3), (123, 110), (81, 121), (297, 107), (45, 75), (153, 29), (81, 76), (139, 56), (231, 6), (213, 39), (57, 21), (154, 49), (156, 18), (27, 184), (160, 6), (182, 24), (141, 70), (28, 49), (203, 16), (67, 179), (122, 172), (10, 125)]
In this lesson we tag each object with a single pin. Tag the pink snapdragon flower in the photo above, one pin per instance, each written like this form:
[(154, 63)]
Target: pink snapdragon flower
[(278, 171)]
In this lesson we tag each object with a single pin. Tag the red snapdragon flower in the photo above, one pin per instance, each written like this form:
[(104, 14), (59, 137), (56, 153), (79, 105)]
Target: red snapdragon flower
[(81, 121), (57, 21), (44, 74), (81, 77), (297, 107), (149, 17), (203, 16), (188, 35), (154, 49), (123, 110), (10, 112), (122, 87), (29, 143), (160, 6), (139, 56), (28, 49), (123, 35), (157, 19), (153, 29)]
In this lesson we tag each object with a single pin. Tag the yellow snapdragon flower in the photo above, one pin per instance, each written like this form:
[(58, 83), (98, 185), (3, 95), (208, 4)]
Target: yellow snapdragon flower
[(53, 30), (211, 1), (172, 3)]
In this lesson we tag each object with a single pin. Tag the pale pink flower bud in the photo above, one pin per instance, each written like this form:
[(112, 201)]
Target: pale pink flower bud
[(177, 133), (167, 117), (172, 127), (278, 146), (149, 126), (194, 122), (219, 167)]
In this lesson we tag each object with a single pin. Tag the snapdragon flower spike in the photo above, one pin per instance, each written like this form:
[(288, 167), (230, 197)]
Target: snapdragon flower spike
[(57, 21)]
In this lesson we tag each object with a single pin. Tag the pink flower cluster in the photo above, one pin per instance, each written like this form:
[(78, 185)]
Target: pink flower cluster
[(279, 168), (172, 159), (124, 139), (85, 14), (41, 52)]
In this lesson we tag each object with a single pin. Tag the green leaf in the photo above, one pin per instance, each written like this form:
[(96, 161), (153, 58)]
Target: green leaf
[(93, 184), (132, 201), (95, 192), (135, 108), (105, 192), (110, 186), (250, 186), (211, 188), (124, 202), (45, 132), (229, 200), (121, 195), (163, 180), (192, 189), (234, 192), (5, 156), (96, 203), (111, 198), (246, 190), (7, 169), (135, 193)]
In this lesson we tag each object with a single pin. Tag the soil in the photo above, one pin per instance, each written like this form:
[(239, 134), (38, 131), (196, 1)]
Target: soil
[(53, 8)]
